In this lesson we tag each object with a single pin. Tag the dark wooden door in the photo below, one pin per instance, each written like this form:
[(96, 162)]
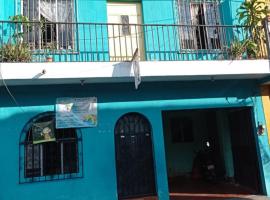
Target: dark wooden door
[(245, 156), (134, 157)]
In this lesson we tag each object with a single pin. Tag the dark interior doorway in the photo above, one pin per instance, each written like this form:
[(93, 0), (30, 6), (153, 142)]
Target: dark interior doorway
[(233, 153), (134, 157), (244, 149)]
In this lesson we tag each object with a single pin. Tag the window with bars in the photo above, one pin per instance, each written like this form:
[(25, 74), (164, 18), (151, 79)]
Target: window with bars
[(200, 20), (181, 130), (55, 30), (50, 159)]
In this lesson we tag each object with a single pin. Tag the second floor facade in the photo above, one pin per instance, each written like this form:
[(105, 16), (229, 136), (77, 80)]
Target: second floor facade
[(100, 30)]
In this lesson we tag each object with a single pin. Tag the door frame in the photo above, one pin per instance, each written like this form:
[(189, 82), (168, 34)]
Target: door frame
[(253, 118), (152, 147), (142, 41)]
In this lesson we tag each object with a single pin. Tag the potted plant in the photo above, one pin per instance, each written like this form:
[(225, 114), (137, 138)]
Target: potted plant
[(247, 48), (251, 49), (237, 50), (49, 50), (16, 50)]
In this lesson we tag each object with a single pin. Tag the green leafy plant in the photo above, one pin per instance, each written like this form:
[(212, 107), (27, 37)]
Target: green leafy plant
[(16, 50), (251, 49), (251, 13), (20, 23), (239, 48), (15, 53)]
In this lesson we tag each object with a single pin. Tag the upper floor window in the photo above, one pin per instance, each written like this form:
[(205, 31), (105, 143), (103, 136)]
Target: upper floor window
[(201, 20), (48, 153), (53, 32)]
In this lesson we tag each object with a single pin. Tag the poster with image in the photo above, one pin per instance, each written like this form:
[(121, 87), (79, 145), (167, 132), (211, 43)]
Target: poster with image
[(43, 132), (76, 112)]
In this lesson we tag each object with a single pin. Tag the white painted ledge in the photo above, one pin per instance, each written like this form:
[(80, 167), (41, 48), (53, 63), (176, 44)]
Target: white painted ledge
[(73, 72)]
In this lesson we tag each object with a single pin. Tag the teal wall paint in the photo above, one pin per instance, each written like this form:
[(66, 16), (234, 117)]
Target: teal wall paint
[(2, 13), (8, 8), (114, 100), (229, 10)]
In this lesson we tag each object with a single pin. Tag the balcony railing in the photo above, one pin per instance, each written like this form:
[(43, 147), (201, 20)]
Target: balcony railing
[(103, 42)]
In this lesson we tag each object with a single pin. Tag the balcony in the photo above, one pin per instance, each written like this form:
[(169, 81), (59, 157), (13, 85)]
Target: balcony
[(72, 53), (103, 42)]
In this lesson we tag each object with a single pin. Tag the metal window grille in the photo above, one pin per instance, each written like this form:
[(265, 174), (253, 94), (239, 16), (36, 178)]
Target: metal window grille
[(202, 18), (53, 160), (52, 33)]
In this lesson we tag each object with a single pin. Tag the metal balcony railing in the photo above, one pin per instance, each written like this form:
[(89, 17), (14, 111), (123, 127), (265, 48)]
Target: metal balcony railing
[(103, 42)]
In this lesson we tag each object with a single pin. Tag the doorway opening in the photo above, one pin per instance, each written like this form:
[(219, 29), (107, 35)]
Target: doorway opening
[(134, 157), (125, 30), (211, 153)]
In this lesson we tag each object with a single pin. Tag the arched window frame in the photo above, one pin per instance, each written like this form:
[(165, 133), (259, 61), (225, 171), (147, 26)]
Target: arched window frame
[(22, 167)]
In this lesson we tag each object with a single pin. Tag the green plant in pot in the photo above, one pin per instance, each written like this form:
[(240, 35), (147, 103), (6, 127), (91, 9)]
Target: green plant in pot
[(247, 47), (49, 50), (237, 50), (15, 50), (15, 53), (251, 48)]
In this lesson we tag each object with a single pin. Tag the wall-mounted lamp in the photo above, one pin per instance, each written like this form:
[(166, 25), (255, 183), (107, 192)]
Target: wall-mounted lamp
[(260, 129), (43, 71)]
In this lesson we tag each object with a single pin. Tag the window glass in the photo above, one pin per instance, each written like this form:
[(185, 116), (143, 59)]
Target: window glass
[(205, 16), (45, 157), (50, 35)]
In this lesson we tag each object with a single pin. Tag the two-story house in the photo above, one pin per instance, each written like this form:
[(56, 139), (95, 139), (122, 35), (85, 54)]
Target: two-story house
[(104, 99)]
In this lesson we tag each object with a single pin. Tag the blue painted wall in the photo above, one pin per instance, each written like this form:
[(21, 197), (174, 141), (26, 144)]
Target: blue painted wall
[(114, 100)]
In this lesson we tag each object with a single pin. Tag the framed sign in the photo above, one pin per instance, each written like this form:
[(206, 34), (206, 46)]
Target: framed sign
[(76, 112)]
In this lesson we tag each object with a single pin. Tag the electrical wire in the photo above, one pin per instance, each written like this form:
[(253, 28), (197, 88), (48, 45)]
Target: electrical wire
[(9, 92)]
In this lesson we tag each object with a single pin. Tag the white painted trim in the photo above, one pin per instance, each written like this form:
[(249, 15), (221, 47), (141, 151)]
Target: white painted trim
[(73, 72)]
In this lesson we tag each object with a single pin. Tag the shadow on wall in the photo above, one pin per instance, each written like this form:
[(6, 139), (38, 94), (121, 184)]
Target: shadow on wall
[(226, 10), (230, 92)]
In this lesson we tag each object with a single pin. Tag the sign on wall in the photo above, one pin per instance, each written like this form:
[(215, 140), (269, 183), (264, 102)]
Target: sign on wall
[(76, 112), (43, 132)]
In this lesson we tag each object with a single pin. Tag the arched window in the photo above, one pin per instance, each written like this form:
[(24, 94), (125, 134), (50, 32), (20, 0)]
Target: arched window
[(47, 153)]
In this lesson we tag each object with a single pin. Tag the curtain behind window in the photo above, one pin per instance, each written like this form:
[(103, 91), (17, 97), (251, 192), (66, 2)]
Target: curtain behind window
[(198, 13), (52, 11)]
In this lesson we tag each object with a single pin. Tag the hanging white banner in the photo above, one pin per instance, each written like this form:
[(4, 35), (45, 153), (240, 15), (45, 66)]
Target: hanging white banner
[(136, 69)]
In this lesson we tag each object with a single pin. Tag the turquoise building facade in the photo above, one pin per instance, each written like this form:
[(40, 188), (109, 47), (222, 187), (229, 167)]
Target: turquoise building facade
[(152, 99)]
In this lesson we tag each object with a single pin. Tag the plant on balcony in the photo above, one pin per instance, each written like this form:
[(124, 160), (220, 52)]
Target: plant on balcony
[(15, 50), (237, 50), (20, 22), (251, 49), (251, 13), (18, 52), (247, 48), (49, 49)]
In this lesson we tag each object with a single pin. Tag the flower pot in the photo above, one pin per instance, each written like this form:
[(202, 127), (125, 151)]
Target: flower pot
[(49, 59)]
